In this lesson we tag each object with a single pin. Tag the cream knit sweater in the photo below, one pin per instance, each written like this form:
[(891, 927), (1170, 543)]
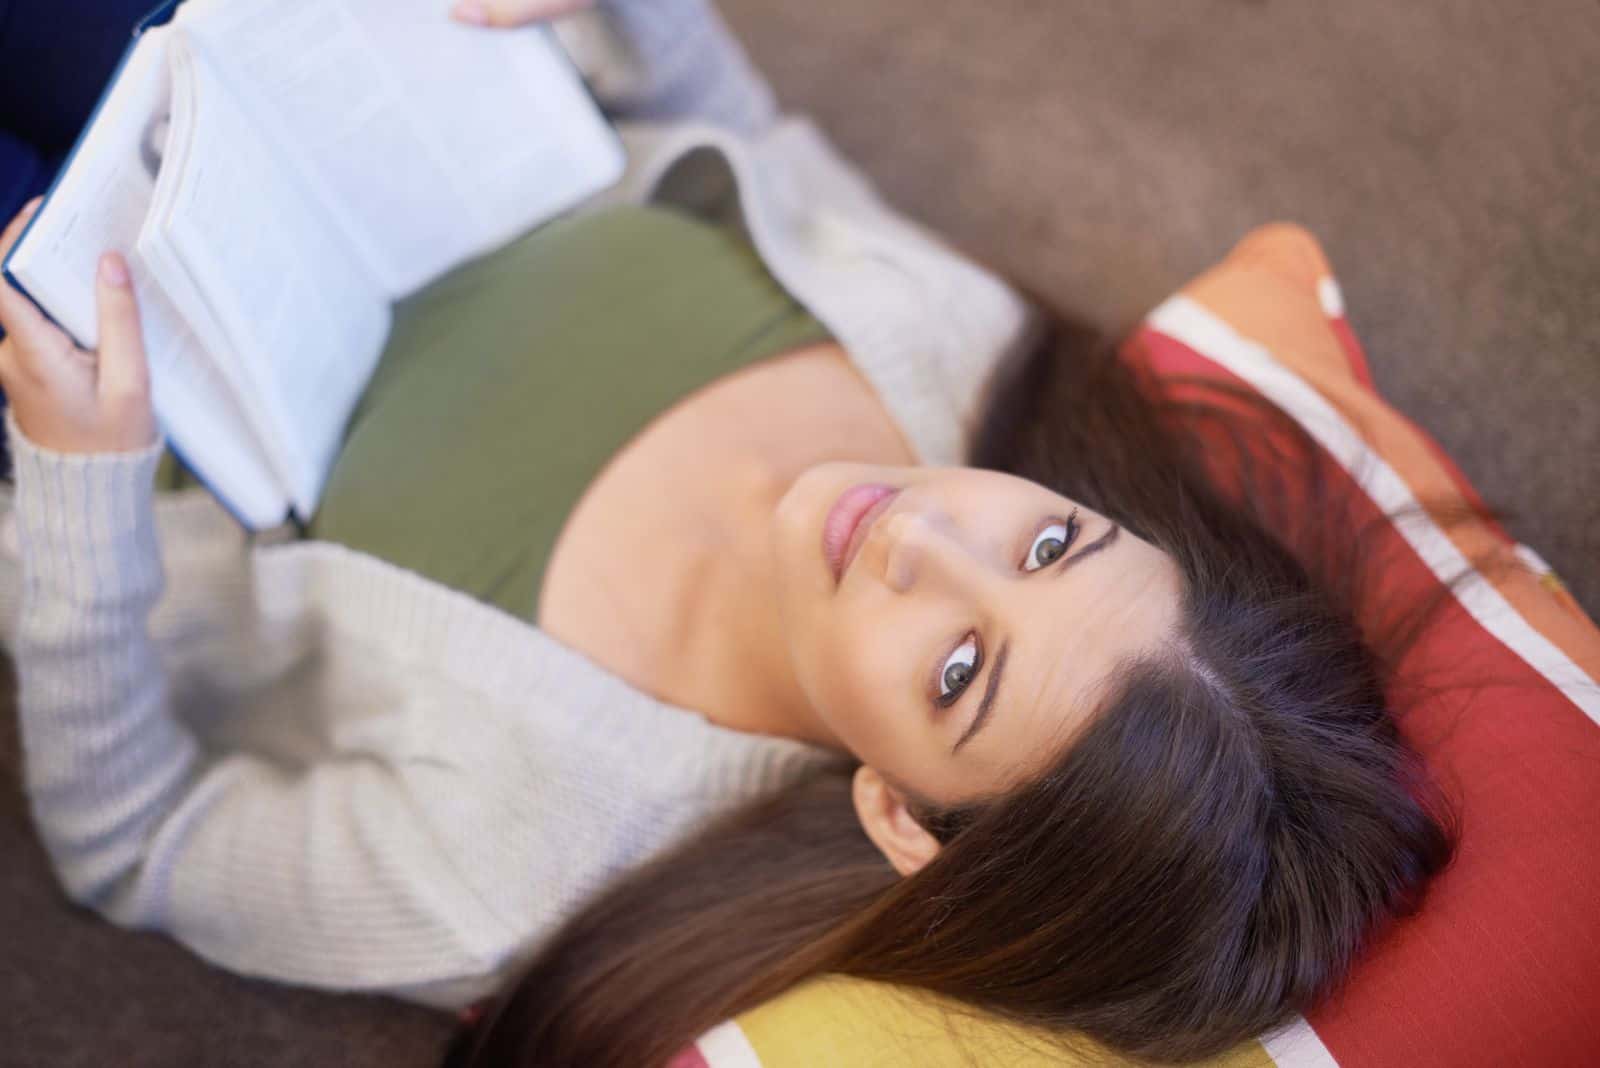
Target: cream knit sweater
[(309, 765)]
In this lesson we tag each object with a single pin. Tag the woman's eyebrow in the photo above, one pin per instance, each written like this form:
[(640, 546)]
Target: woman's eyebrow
[(1093, 547), (993, 686), (988, 697)]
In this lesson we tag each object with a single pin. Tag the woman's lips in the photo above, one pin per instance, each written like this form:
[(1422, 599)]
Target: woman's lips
[(848, 521)]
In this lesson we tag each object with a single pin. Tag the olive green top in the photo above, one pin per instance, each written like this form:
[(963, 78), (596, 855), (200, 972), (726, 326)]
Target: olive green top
[(506, 386)]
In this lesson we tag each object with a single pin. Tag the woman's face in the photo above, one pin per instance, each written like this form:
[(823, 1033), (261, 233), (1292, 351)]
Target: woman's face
[(964, 638)]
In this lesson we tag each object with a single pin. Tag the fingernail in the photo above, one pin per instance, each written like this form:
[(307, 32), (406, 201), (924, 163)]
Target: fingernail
[(113, 271), (32, 206), (471, 11)]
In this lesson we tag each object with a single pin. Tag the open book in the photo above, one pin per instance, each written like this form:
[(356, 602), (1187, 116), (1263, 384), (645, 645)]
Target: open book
[(278, 172)]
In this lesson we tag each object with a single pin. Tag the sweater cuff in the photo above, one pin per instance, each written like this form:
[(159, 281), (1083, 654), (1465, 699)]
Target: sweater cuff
[(86, 521), (684, 62)]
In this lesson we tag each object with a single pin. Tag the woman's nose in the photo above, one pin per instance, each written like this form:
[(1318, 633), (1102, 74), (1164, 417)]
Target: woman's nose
[(926, 550)]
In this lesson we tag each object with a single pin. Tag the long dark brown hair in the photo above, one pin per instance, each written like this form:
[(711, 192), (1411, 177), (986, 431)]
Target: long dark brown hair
[(1205, 860)]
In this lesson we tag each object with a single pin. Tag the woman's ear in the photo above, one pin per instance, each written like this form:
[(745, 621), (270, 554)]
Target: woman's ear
[(882, 810)]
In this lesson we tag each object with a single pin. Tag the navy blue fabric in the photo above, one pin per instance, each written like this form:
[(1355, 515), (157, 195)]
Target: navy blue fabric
[(55, 58), (24, 173)]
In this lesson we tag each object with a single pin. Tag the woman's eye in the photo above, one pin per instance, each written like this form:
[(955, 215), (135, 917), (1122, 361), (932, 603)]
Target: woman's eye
[(1050, 543), (959, 669)]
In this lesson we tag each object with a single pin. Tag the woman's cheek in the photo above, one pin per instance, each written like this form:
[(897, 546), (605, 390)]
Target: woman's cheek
[(868, 710), (822, 676)]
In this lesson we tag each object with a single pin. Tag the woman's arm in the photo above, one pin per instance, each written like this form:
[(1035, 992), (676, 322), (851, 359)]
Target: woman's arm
[(678, 59), (333, 875)]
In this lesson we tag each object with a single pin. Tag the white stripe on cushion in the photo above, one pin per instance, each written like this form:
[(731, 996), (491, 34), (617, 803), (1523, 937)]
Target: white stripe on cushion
[(724, 1046), (1297, 1046), (1186, 321), (1534, 561), (1330, 297)]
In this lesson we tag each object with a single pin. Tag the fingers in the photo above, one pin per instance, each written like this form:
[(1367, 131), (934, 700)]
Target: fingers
[(14, 228), (124, 374), (23, 321), (514, 12)]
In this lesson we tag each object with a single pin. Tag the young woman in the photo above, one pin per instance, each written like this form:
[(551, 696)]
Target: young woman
[(712, 592)]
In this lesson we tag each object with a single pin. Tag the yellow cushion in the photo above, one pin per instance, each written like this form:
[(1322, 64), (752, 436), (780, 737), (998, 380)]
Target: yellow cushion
[(851, 1023)]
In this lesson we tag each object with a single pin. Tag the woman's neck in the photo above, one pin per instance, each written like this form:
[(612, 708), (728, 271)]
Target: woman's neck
[(745, 677), (664, 573)]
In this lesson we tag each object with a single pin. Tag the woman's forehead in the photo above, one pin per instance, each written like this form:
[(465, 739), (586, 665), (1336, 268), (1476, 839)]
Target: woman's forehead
[(1066, 638)]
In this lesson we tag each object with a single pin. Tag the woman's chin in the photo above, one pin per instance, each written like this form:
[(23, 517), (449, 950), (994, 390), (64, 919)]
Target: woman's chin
[(797, 541)]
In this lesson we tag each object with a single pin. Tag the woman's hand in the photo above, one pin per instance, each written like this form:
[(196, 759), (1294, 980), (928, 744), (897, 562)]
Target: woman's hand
[(514, 12), (65, 398)]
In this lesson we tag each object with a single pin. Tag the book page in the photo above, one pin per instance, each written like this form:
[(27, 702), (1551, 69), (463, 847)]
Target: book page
[(246, 410), (201, 419), (435, 141), (305, 319), (100, 203)]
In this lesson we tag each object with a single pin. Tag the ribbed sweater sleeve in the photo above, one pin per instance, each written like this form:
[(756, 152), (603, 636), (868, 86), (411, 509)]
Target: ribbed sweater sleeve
[(104, 760), (330, 875)]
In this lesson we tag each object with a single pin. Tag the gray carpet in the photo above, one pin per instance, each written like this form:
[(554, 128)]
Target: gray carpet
[(1447, 152)]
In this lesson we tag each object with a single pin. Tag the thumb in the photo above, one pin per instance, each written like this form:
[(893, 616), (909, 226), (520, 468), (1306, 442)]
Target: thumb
[(124, 374)]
